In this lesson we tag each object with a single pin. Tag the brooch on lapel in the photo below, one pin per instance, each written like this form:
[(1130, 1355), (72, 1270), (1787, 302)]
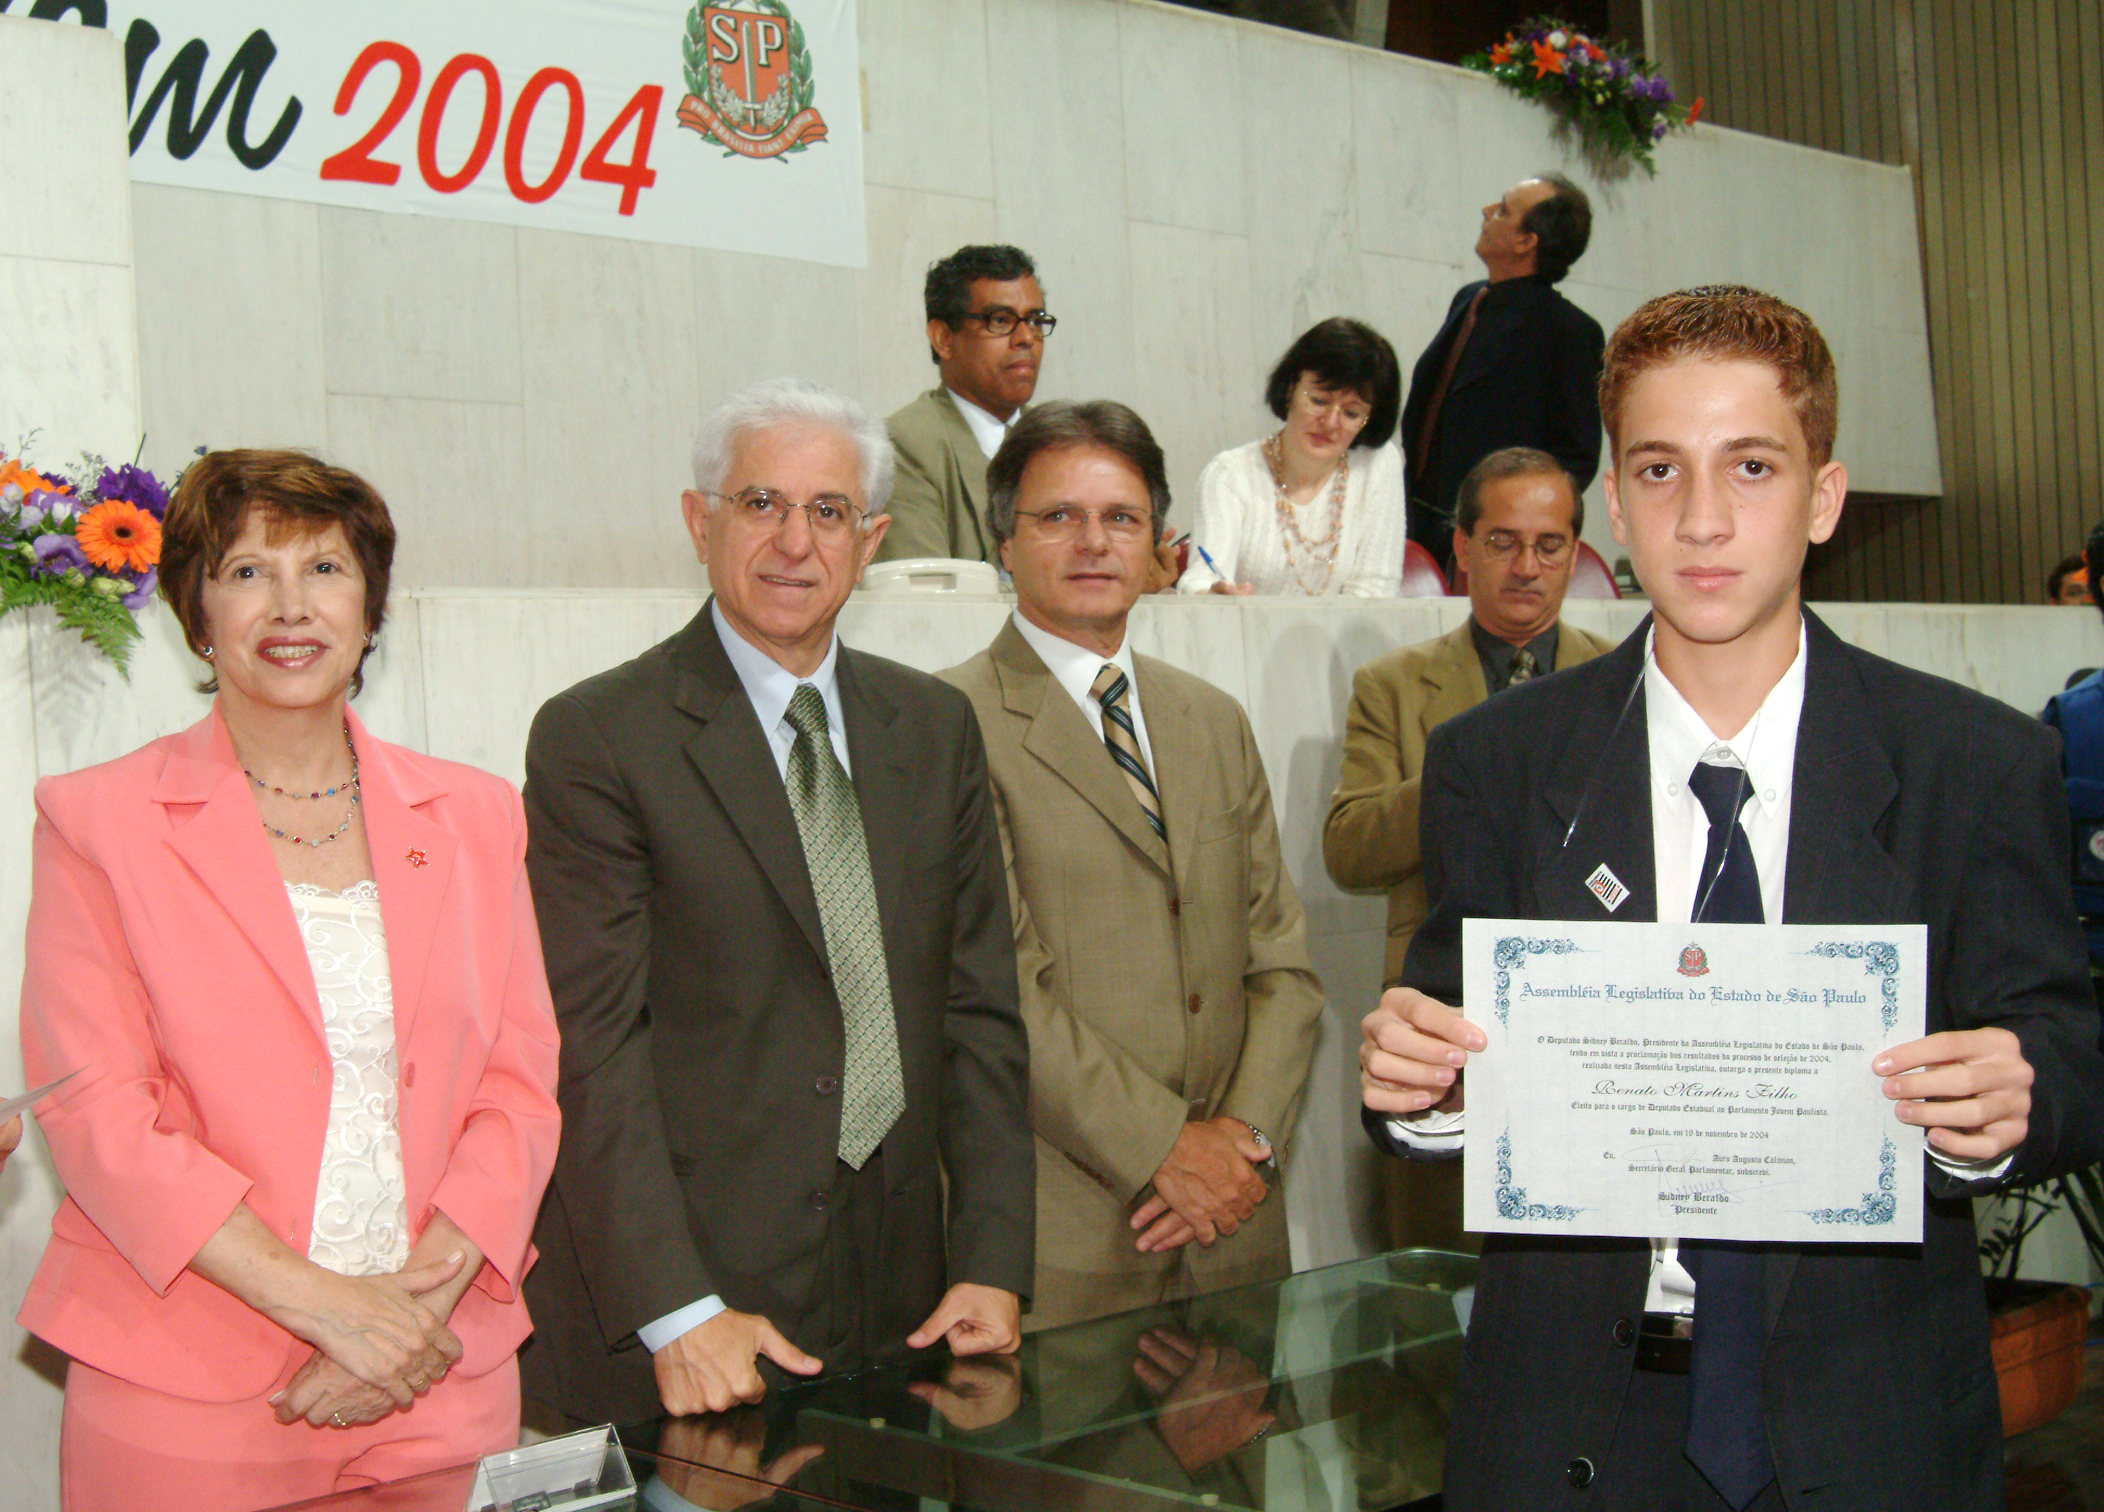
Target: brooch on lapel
[(1607, 887), (418, 858)]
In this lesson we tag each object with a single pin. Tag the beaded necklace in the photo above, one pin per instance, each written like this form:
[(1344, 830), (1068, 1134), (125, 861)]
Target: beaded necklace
[(1322, 551), (350, 786)]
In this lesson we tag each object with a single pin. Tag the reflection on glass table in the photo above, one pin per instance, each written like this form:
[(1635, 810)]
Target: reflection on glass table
[(1326, 1390)]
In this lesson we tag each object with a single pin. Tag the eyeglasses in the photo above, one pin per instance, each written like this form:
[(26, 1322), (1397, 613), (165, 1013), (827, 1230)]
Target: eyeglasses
[(1003, 321), (1064, 521), (1349, 408), (1550, 550), (829, 515)]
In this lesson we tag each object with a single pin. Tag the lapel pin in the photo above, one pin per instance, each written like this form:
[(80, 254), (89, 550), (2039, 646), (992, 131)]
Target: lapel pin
[(1607, 887), (418, 858)]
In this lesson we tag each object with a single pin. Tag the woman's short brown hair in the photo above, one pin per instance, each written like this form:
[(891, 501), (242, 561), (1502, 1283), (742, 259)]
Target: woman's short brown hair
[(1726, 323), (297, 493)]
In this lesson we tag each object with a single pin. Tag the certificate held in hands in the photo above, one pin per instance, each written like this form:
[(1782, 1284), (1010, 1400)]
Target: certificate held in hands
[(1705, 1081)]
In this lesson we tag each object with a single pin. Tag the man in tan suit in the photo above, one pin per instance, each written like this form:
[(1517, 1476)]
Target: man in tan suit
[(1516, 536), (986, 332), (1160, 944)]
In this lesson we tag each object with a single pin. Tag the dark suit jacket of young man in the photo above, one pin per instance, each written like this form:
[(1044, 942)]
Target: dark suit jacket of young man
[(702, 1040), (1913, 801), (1529, 376)]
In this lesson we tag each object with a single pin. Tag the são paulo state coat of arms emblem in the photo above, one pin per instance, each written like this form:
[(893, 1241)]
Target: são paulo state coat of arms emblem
[(1694, 962), (749, 79)]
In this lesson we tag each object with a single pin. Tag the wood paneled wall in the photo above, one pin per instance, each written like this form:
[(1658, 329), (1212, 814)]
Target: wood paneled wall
[(1998, 107)]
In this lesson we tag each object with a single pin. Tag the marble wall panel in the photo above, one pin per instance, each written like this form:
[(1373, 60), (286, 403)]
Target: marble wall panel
[(29, 1189), (1406, 300), (490, 660), (1303, 265), (1405, 134), (918, 134), (1059, 172), (230, 323), (69, 363), (908, 229), (454, 478), (415, 307), (76, 204), (1187, 338), (1194, 634), (611, 382), (1185, 98), (763, 317)]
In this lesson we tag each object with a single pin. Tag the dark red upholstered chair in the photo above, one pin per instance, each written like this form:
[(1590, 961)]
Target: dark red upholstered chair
[(1590, 578), (1421, 575)]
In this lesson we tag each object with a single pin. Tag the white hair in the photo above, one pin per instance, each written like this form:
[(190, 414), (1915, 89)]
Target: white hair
[(793, 402)]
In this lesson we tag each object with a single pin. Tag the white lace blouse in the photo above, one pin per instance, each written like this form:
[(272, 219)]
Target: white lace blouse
[(361, 1218), (1237, 523)]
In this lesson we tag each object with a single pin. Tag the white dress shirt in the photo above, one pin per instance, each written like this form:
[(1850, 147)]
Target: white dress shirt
[(1075, 668), (1678, 738), (986, 430), (770, 686)]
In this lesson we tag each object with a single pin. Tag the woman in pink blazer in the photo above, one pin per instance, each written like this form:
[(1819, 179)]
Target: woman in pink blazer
[(298, 971)]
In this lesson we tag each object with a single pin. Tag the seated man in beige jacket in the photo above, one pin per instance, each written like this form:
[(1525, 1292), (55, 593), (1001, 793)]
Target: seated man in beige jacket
[(1516, 536), (987, 327), (1160, 944)]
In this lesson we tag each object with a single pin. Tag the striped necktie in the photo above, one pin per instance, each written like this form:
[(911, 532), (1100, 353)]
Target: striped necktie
[(829, 822), (1112, 689)]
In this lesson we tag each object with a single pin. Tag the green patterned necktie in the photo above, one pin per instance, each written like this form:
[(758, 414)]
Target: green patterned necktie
[(829, 822)]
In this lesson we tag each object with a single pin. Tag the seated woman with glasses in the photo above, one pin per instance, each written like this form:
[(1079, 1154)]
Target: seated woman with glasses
[(1317, 507)]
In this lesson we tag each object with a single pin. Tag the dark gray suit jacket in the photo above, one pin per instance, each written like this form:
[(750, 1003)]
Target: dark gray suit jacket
[(1913, 801), (702, 1040)]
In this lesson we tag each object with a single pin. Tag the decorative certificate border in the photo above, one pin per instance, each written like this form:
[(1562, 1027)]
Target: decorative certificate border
[(1879, 958), (1512, 1201), (1511, 954), (1877, 1208)]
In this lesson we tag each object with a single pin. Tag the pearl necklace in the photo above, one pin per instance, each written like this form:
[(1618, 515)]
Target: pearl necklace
[(349, 814), (1322, 551)]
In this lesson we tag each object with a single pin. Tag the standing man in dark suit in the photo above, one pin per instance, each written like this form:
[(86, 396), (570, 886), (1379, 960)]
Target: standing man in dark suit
[(768, 874), (1515, 364), (1734, 750), (987, 327)]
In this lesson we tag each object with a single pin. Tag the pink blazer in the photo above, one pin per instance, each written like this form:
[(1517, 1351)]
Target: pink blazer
[(164, 957)]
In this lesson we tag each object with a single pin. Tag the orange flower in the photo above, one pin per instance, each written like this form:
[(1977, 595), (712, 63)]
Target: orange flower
[(12, 471), (1502, 53), (1695, 112), (1547, 60), (119, 537)]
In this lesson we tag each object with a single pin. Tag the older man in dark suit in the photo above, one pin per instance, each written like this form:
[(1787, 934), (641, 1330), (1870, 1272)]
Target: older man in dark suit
[(769, 881), (1514, 363), (1734, 760)]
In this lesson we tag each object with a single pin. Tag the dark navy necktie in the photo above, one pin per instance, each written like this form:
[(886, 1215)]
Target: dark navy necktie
[(1727, 1438)]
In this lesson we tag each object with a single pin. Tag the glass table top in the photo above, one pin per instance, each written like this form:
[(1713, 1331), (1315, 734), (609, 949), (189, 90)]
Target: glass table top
[(1326, 1390)]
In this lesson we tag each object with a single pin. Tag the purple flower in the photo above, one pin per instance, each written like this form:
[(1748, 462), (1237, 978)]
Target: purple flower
[(143, 591), (134, 485), (59, 554)]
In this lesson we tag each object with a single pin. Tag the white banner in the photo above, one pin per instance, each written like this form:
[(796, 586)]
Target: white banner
[(726, 123)]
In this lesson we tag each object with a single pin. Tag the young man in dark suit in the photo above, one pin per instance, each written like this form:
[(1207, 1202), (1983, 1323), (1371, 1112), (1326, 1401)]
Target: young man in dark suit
[(1835, 1376)]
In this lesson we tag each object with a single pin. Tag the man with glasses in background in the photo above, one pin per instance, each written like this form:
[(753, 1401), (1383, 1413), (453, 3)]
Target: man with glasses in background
[(769, 882), (987, 327), (1161, 947), (1516, 536)]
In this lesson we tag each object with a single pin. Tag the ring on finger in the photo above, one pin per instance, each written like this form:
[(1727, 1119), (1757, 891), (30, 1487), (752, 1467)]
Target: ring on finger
[(337, 1419)]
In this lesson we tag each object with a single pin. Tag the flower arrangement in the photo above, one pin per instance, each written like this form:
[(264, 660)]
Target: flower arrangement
[(87, 542), (1612, 97)]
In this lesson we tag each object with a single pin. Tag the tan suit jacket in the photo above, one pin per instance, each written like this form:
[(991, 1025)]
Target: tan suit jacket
[(1370, 838), (1159, 983), (938, 500)]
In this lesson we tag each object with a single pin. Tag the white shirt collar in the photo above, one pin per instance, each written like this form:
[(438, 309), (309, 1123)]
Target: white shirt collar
[(1075, 667), (769, 686), (986, 430), (1766, 747)]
